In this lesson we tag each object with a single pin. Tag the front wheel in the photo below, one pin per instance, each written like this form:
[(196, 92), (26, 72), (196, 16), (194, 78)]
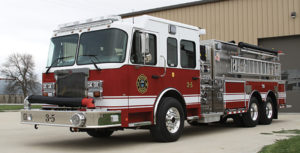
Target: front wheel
[(250, 119), (267, 112), (169, 121)]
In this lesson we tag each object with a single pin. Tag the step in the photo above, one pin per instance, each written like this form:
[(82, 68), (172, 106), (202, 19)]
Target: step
[(210, 117)]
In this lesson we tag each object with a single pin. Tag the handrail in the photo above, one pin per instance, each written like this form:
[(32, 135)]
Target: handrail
[(165, 66)]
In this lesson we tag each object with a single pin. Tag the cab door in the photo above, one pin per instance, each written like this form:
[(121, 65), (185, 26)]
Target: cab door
[(143, 59)]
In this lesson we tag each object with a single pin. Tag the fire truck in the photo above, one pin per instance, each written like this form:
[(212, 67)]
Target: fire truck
[(109, 74)]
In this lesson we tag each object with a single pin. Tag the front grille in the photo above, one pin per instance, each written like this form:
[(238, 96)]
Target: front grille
[(71, 85)]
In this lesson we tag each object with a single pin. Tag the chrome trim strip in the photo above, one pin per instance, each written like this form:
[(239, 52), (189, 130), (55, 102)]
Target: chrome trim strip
[(139, 124), (192, 118)]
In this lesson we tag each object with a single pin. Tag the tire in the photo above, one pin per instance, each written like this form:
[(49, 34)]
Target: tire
[(251, 118), (100, 133), (267, 112), (169, 111)]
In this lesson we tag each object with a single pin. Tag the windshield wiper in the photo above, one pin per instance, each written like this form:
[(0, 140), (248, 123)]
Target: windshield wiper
[(91, 55), (56, 60)]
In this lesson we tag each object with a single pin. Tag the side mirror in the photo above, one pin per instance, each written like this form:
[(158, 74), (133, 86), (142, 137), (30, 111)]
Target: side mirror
[(145, 47), (145, 43)]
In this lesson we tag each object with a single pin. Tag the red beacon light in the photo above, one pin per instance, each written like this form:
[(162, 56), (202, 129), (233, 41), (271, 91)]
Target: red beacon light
[(280, 52)]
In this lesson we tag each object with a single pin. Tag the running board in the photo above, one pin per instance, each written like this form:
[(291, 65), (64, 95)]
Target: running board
[(210, 117), (192, 118)]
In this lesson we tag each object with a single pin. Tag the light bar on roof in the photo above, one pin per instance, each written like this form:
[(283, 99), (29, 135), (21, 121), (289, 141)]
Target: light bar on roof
[(87, 23)]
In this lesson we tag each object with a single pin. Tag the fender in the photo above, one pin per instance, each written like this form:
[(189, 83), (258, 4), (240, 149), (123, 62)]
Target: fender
[(276, 97), (250, 96), (275, 93), (157, 101)]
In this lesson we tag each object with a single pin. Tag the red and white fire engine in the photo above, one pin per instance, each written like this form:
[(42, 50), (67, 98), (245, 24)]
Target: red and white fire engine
[(108, 74)]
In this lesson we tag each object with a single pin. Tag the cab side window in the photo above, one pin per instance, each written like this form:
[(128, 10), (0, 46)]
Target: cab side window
[(172, 52), (136, 56), (188, 54)]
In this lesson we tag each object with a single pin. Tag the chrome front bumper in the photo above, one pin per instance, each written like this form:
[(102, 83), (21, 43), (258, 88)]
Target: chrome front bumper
[(93, 119)]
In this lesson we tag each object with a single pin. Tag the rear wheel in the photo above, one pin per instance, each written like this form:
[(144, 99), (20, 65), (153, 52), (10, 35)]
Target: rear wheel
[(100, 133), (169, 121), (251, 118), (267, 112)]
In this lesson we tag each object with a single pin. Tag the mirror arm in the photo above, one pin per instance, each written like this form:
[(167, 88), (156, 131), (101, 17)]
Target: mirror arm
[(144, 58)]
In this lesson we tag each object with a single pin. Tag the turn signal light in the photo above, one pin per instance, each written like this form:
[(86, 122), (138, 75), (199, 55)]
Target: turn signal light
[(45, 94), (96, 93)]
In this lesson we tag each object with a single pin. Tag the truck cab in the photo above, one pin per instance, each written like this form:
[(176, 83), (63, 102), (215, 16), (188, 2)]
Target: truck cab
[(110, 73)]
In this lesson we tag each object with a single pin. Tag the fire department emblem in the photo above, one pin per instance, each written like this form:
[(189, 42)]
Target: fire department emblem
[(142, 84)]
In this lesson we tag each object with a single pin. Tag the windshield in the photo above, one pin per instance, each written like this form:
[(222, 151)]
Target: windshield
[(103, 46), (62, 51)]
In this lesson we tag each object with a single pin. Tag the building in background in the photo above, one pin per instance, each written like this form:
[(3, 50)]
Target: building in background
[(12, 98), (267, 23), (6, 97)]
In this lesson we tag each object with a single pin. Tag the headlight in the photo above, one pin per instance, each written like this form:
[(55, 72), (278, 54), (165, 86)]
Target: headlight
[(49, 89), (95, 88), (78, 120)]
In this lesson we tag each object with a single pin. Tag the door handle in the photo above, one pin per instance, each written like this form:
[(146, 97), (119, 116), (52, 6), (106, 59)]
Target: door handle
[(165, 69), (195, 78)]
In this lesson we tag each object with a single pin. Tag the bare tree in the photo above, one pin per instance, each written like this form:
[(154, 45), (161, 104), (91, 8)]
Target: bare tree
[(20, 68)]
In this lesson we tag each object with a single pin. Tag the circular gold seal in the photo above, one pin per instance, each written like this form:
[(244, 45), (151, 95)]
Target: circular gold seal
[(142, 84)]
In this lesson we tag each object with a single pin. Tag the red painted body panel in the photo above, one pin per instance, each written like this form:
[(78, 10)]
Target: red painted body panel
[(232, 105), (234, 87), (281, 88), (258, 86), (123, 82)]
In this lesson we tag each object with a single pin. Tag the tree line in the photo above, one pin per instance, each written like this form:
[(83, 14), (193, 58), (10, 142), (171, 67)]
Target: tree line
[(19, 70)]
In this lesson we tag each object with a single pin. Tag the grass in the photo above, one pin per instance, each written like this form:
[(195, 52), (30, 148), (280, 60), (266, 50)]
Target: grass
[(290, 145), (15, 107), (288, 131)]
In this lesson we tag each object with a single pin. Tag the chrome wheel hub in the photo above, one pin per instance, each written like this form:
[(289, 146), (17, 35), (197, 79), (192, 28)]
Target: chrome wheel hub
[(254, 111), (269, 110), (173, 120)]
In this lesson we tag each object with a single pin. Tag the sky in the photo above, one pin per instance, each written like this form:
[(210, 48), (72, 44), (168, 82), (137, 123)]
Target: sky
[(26, 26)]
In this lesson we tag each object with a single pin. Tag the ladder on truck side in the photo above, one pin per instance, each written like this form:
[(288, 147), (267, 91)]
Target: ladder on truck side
[(252, 66)]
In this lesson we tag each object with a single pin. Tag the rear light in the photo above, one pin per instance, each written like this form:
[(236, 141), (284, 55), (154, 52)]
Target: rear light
[(280, 52)]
